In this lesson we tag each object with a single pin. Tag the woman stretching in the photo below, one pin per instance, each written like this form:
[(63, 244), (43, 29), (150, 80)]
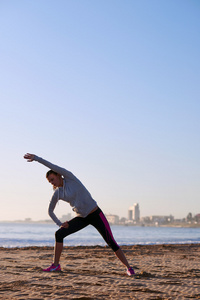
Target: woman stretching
[(68, 188)]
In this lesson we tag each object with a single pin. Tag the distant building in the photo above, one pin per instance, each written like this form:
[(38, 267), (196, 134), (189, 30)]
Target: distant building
[(113, 219), (65, 218), (134, 213), (161, 219), (197, 218)]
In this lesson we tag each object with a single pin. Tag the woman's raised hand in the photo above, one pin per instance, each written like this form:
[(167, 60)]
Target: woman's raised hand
[(29, 157)]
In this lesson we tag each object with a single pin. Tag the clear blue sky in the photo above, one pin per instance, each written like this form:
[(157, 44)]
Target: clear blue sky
[(107, 89)]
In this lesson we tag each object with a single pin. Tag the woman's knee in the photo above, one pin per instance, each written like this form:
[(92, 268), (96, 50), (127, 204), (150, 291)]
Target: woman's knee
[(59, 235)]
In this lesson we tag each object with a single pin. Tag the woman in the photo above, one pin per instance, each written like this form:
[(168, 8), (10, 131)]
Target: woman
[(68, 188)]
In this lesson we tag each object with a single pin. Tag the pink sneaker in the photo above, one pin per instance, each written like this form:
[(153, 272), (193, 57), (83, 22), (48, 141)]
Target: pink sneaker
[(52, 268), (130, 272)]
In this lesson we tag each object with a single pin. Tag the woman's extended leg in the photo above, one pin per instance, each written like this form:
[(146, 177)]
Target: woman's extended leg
[(120, 254), (108, 237), (99, 221)]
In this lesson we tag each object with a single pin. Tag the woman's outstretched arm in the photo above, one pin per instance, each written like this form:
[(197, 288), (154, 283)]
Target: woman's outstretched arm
[(57, 169)]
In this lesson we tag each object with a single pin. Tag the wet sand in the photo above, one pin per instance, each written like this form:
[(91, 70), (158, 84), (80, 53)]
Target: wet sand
[(162, 272)]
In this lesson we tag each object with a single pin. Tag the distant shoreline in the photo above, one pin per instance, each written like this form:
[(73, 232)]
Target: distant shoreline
[(49, 222)]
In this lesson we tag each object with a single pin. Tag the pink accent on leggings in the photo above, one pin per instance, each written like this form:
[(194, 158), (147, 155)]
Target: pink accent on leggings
[(103, 218)]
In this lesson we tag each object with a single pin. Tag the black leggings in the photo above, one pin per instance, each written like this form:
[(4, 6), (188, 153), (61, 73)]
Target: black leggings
[(97, 219)]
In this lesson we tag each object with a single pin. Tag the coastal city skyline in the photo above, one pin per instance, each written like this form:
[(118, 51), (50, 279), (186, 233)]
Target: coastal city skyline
[(108, 90), (133, 218)]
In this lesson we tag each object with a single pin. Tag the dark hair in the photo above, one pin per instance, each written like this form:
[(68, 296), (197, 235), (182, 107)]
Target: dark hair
[(50, 172)]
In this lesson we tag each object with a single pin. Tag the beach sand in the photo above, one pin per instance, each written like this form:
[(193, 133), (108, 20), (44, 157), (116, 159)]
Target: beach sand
[(162, 272)]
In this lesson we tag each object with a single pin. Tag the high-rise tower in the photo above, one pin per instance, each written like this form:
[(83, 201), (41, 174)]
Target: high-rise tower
[(134, 213)]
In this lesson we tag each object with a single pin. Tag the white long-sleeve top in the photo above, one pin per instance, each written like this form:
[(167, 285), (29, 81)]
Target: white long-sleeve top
[(72, 191)]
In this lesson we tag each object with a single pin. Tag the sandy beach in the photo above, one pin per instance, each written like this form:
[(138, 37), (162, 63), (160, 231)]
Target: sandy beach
[(162, 272)]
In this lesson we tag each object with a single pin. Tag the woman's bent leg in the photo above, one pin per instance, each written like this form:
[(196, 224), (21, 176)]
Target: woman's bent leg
[(57, 252), (75, 225)]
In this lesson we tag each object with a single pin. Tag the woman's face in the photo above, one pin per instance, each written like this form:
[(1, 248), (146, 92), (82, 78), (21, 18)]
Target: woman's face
[(55, 180)]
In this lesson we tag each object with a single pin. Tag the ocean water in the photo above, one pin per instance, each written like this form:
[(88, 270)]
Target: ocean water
[(35, 234)]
